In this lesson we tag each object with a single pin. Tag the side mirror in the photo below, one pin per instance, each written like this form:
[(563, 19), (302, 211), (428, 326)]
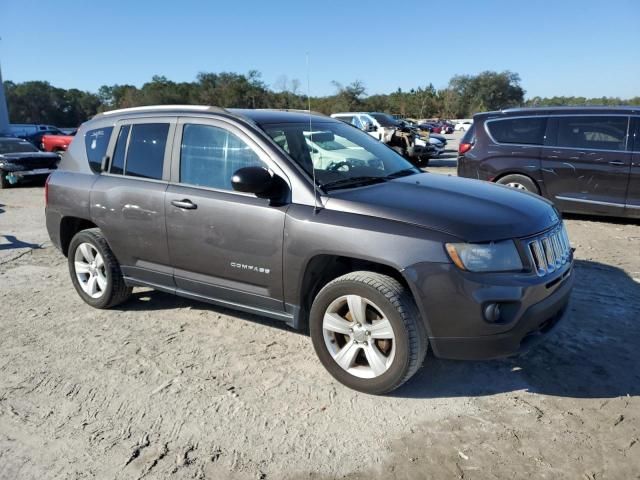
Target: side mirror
[(256, 180)]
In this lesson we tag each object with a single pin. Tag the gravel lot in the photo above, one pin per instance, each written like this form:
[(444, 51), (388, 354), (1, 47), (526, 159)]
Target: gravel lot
[(169, 388)]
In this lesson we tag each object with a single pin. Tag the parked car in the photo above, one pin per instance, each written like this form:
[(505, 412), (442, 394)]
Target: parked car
[(377, 260), (583, 159), (55, 143), (21, 161), (463, 126)]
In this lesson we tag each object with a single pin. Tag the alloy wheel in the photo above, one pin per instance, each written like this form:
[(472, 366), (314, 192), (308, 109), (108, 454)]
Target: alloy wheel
[(359, 336)]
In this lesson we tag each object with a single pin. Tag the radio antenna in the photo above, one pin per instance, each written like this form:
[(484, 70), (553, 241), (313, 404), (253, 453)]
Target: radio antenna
[(316, 207)]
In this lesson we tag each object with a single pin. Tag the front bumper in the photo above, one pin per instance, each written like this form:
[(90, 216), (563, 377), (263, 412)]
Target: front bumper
[(452, 303)]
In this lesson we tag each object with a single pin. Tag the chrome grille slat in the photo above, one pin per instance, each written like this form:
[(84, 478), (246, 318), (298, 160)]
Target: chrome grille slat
[(550, 251)]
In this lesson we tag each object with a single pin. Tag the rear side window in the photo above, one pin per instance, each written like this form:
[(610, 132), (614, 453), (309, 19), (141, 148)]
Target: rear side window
[(209, 156), (140, 150), (593, 132), (117, 164), (145, 155), (525, 131), (96, 142)]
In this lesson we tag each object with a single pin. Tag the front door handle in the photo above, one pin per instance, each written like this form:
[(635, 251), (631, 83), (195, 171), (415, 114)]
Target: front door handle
[(616, 162), (185, 203)]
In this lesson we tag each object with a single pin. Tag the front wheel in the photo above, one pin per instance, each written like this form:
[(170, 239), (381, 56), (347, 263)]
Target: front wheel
[(4, 183), (367, 332), (94, 270)]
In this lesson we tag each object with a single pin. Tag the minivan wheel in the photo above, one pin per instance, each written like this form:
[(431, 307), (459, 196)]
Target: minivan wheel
[(367, 332), (519, 182), (94, 270)]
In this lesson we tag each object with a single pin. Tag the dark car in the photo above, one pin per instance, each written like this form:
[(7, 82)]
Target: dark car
[(585, 160), (374, 258), (21, 161)]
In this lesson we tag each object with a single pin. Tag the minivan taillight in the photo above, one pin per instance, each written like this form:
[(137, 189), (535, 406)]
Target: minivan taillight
[(464, 148)]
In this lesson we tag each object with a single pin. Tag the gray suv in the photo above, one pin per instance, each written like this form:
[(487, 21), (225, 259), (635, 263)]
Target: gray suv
[(376, 259)]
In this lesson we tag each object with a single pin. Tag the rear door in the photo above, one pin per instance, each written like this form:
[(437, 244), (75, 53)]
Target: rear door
[(127, 201), (585, 163), (633, 192), (224, 245)]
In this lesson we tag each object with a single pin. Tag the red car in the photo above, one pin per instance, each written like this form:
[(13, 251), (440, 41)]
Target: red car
[(55, 143)]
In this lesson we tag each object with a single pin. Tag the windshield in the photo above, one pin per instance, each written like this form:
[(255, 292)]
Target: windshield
[(384, 119), (341, 155), (16, 146)]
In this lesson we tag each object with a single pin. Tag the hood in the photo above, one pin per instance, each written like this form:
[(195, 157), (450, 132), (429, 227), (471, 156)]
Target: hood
[(472, 210)]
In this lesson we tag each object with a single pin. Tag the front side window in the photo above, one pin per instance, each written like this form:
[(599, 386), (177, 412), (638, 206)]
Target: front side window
[(96, 142), (524, 131), (592, 132), (209, 156)]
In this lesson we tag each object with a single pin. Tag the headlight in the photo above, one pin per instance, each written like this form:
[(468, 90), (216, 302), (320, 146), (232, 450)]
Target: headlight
[(485, 257)]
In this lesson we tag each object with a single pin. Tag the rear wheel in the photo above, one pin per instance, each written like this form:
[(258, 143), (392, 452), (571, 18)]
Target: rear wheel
[(4, 183), (519, 182), (94, 270), (367, 332)]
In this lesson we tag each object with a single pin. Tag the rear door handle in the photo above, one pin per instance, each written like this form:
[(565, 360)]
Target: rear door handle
[(186, 204), (616, 162)]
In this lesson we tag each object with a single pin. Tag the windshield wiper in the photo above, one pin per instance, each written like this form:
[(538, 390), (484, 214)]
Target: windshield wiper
[(352, 182), (402, 173)]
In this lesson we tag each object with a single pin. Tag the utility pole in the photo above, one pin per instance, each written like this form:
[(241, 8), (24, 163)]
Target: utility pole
[(4, 113)]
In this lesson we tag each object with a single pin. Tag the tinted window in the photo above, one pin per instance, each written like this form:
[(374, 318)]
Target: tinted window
[(117, 164), (604, 133), (526, 131), (385, 120), (95, 142), (145, 155), (209, 156)]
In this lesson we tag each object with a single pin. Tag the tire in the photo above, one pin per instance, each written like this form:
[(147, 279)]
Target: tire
[(396, 340), (109, 285), (4, 183), (519, 182)]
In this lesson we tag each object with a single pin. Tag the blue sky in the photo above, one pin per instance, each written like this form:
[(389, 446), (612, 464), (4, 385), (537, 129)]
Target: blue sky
[(563, 47)]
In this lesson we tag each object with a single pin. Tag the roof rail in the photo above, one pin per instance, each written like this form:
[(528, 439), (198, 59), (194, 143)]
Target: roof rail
[(160, 108)]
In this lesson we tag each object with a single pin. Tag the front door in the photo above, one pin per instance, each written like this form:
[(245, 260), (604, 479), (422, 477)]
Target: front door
[(224, 245), (585, 163)]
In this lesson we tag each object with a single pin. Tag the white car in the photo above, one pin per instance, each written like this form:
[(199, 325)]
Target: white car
[(463, 126), (379, 125), (328, 149)]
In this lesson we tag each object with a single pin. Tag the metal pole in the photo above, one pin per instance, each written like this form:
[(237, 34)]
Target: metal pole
[(4, 112)]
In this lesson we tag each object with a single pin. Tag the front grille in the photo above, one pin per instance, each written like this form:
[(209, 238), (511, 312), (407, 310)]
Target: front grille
[(549, 251)]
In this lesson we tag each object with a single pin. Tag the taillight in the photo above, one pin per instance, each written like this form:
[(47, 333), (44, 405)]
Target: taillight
[(46, 191), (464, 148)]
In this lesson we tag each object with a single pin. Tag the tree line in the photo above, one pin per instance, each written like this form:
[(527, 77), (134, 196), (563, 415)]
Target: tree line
[(40, 102)]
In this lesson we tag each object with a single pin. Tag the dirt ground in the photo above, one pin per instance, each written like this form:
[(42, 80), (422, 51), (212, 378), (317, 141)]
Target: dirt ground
[(164, 387)]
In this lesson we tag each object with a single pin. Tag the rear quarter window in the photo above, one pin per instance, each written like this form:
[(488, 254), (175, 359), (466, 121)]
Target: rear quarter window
[(96, 142), (524, 131)]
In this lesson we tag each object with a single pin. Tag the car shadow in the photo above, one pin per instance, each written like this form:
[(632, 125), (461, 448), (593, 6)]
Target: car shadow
[(593, 353), (1, 208), (14, 243), (150, 300)]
